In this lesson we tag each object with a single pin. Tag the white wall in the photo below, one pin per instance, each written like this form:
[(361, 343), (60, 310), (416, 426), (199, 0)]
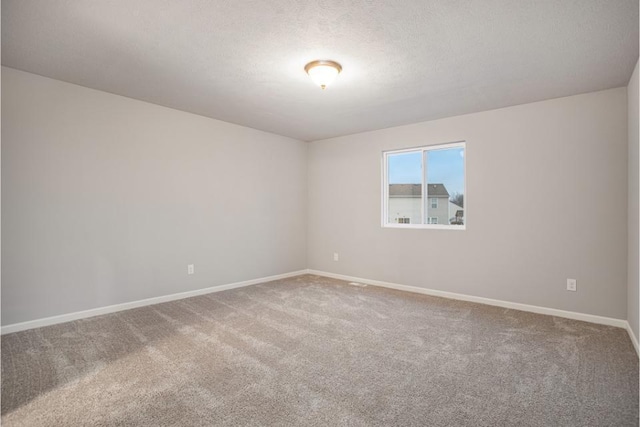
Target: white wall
[(633, 197), (405, 207), (554, 156), (106, 200)]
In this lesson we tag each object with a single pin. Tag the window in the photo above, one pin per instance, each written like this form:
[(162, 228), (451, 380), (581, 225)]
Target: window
[(424, 187)]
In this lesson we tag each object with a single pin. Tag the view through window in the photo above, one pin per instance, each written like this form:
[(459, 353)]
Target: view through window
[(425, 186)]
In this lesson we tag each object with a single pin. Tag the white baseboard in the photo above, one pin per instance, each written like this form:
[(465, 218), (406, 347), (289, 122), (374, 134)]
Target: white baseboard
[(38, 323), (634, 340), (620, 323)]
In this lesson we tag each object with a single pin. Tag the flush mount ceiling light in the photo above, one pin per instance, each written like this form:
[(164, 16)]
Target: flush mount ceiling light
[(323, 71)]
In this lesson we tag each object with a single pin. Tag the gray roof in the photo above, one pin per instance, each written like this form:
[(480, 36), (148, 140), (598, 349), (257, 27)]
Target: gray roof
[(415, 190), (405, 190)]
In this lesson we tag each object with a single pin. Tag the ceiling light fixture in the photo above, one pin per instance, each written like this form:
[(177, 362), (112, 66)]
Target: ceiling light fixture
[(322, 71)]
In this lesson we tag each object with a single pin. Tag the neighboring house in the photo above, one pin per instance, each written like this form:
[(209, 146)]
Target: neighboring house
[(405, 202), (456, 214)]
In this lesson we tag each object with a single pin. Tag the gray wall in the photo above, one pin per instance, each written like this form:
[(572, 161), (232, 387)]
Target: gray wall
[(567, 156), (106, 200), (634, 190)]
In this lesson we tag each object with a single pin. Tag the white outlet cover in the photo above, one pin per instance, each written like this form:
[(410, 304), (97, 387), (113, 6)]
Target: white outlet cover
[(572, 285)]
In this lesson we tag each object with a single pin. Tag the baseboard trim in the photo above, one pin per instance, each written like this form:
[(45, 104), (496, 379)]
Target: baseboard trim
[(38, 323), (634, 340), (620, 323)]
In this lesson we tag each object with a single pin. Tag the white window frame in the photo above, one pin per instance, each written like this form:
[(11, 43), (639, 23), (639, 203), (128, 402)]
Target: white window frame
[(385, 187), (433, 200), (430, 220)]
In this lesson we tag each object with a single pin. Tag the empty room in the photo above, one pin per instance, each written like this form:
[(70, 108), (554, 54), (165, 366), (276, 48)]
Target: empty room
[(320, 213)]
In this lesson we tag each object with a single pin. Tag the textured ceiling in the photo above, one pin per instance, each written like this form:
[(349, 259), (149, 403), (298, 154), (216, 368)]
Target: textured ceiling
[(403, 61)]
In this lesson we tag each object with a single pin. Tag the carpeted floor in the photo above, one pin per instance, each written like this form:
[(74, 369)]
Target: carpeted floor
[(315, 351)]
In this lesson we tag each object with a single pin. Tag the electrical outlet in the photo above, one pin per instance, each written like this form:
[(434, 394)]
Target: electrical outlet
[(190, 269), (572, 285), (336, 257)]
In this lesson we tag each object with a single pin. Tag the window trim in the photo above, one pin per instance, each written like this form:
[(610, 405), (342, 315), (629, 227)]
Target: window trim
[(385, 186)]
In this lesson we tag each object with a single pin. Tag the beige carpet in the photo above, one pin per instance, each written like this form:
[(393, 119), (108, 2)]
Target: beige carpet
[(315, 351)]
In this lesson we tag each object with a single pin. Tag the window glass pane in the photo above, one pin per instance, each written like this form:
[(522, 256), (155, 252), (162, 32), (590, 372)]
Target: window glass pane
[(405, 188), (445, 184)]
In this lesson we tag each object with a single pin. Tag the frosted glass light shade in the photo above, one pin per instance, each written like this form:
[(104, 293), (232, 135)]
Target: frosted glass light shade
[(323, 72)]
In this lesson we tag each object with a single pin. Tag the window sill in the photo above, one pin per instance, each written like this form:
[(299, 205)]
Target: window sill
[(427, 226)]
